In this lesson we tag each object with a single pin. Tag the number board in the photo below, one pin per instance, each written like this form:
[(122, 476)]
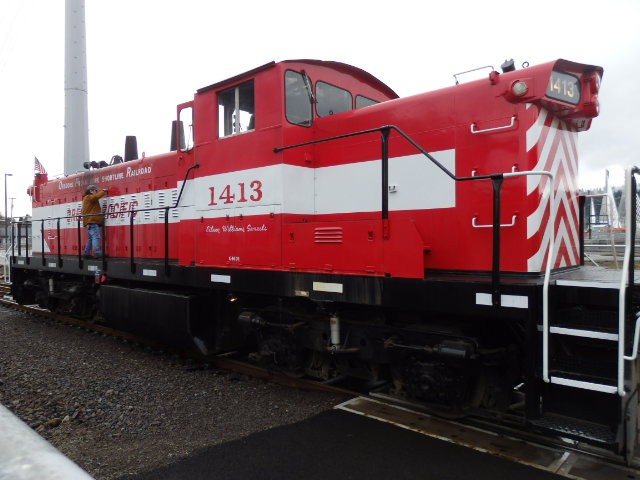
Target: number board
[(564, 87)]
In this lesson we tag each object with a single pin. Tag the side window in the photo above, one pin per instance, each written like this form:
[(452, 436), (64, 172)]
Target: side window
[(236, 110), (364, 101), (298, 98), (185, 123), (332, 99)]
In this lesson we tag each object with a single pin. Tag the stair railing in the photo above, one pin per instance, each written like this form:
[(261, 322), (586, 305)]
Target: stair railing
[(627, 281), (548, 267)]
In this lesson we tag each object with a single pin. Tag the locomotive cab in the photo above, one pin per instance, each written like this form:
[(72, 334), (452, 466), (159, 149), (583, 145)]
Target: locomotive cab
[(245, 192)]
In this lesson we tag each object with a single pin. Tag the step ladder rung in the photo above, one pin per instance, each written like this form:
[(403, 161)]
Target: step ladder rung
[(595, 433), (587, 284), (596, 387), (576, 332)]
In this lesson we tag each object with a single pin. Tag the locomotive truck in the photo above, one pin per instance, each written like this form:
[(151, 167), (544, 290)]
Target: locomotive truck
[(309, 217)]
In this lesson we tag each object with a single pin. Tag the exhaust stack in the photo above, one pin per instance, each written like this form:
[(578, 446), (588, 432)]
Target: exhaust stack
[(130, 148)]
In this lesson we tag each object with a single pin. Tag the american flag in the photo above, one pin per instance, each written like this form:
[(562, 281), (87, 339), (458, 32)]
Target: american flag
[(38, 166)]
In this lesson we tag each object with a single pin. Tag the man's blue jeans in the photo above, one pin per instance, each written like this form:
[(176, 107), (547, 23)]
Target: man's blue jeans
[(93, 229)]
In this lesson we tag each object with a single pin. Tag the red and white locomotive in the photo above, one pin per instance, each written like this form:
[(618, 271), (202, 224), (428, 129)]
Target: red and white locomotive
[(308, 214)]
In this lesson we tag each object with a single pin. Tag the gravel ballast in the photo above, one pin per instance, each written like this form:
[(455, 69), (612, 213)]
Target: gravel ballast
[(117, 409)]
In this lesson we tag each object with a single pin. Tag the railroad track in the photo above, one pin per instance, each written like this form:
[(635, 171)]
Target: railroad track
[(499, 438)]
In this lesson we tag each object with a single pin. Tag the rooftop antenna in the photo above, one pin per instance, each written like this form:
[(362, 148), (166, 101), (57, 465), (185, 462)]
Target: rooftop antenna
[(76, 117)]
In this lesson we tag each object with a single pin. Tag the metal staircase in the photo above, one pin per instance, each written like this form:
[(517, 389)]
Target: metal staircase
[(580, 397), (589, 365), (585, 315)]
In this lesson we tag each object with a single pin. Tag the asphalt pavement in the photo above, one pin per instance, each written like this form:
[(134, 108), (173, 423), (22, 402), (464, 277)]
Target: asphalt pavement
[(340, 445)]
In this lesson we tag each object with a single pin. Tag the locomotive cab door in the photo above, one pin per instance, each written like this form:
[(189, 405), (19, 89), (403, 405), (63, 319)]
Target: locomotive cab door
[(331, 192), (236, 215), (341, 230)]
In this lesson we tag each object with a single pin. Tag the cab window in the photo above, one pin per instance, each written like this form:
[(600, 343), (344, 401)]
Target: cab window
[(362, 101), (332, 99), (185, 132), (298, 98), (236, 110)]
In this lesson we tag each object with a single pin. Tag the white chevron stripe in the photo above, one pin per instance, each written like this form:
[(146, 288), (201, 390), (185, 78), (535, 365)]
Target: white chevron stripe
[(534, 132), (571, 220), (533, 182), (535, 263), (563, 164), (566, 192), (570, 138), (564, 238), (534, 221), (561, 197), (548, 145), (570, 158)]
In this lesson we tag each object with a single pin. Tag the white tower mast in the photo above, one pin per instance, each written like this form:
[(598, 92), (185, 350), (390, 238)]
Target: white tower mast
[(76, 117)]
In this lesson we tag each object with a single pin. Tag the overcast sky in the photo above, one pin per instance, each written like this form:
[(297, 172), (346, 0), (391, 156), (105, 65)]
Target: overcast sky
[(144, 57)]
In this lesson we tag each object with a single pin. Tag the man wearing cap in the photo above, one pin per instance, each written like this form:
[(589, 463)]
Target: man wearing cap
[(92, 219)]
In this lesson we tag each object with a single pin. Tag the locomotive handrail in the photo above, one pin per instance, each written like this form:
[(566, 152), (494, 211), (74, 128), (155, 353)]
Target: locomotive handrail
[(636, 341), (58, 240), (9, 256), (7, 251), (626, 282), (455, 75), (184, 182), (13, 243), (105, 215), (485, 130), (475, 224), (15, 224), (402, 134), (42, 242), (496, 179), (547, 271), (79, 236), (132, 263)]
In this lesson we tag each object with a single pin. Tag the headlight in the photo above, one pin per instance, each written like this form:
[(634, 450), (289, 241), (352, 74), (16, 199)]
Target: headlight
[(519, 88)]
